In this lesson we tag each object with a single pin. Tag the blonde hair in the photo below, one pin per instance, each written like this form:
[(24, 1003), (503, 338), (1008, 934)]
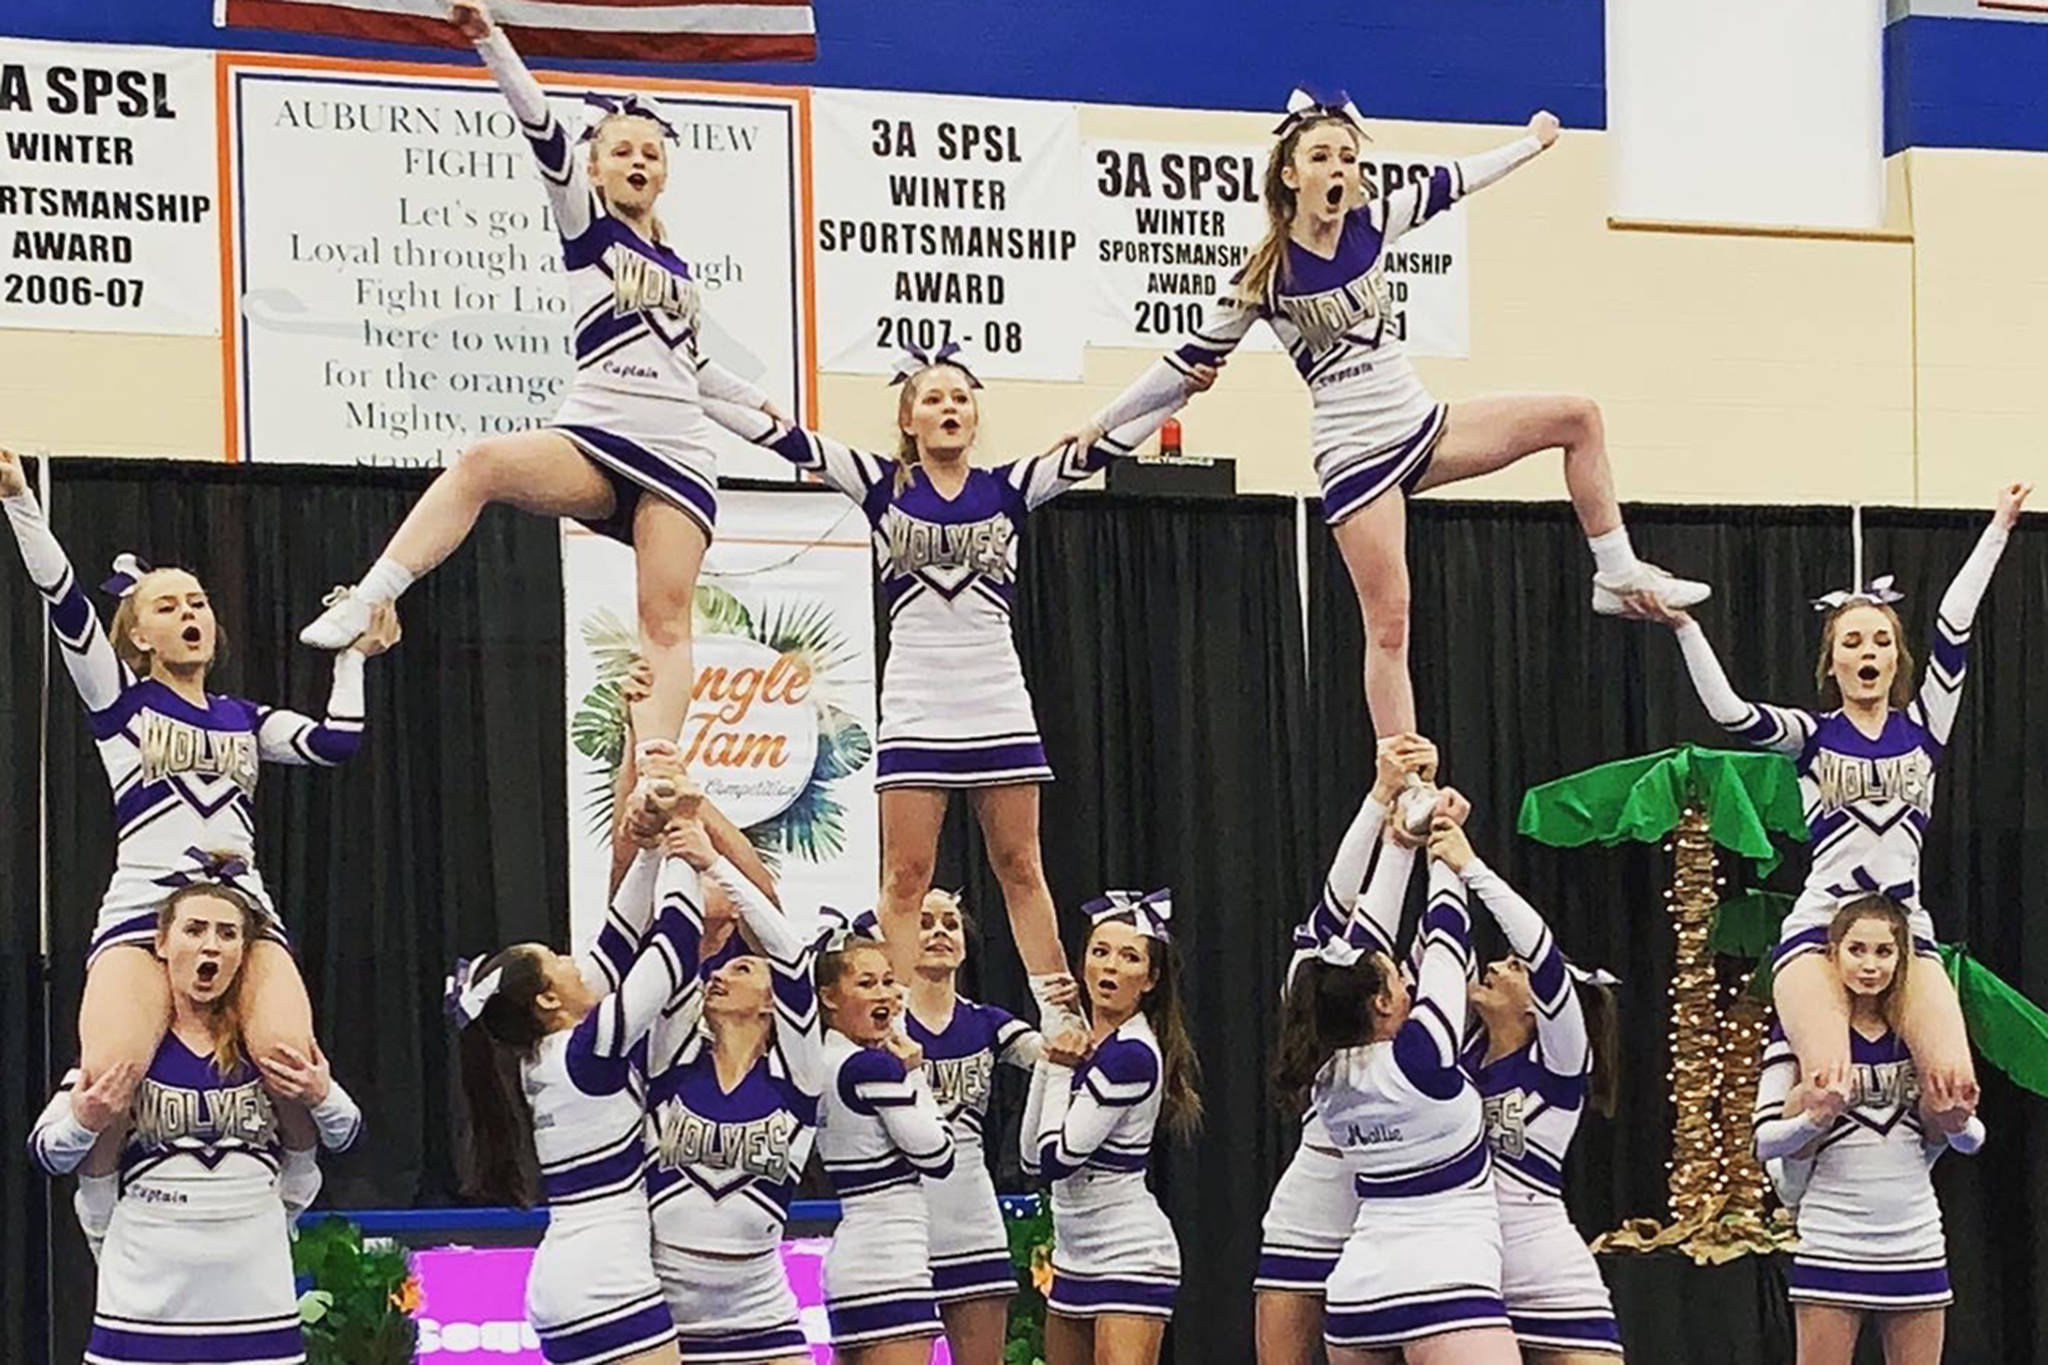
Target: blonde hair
[(1824, 667), (227, 1030), (596, 135), (906, 399), (1267, 265), (122, 628)]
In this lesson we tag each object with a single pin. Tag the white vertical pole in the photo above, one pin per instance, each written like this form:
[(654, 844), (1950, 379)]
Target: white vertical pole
[(1856, 583)]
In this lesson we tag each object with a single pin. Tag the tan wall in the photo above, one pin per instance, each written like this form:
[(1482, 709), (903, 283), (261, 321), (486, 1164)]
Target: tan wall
[(1730, 368)]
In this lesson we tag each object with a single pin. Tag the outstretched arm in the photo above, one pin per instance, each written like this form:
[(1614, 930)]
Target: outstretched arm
[(1419, 201), (81, 640), (664, 973), (1428, 1045), (1941, 691), (1164, 386), (561, 170), (856, 473), (1781, 729)]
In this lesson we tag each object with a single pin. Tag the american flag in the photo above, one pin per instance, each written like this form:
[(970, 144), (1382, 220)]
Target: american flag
[(620, 30)]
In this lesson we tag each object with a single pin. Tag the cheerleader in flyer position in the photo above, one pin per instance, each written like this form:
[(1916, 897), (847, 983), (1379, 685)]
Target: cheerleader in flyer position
[(1866, 773), (956, 715), (1097, 1101), (628, 453), (1318, 280), (183, 765)]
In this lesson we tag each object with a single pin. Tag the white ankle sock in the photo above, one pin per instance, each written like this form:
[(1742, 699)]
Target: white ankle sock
[(1612, 553), (386, 581)]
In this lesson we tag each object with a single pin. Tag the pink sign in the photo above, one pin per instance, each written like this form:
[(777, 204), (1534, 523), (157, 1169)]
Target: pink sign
[(473, 1303)]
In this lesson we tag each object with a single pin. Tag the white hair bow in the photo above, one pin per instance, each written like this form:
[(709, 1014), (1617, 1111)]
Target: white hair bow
[(1879, 593), (1340, 952), (465, 994), (1305, 104), (128, 571), (837, 929), (1598, 976), (1149, 911)]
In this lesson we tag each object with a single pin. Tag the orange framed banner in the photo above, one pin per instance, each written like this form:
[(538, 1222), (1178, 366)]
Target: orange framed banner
[(391, 278)]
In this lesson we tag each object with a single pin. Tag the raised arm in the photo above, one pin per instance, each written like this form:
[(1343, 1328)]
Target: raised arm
[(1336, 908), (856, 473), (663, 973), (1782, 729), (610, 955), (81, 640), (561, 170), (1073, 1124), (1560, 1019), (1941, 690), (799, 1030), (1017, 1043), (1427, 1046), (1419, 201)]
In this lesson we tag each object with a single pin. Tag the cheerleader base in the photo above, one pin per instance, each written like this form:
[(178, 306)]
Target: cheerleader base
[(878, 1282), (175, 1287), (1417, 1268), (1113, 1249), (591, 1294)]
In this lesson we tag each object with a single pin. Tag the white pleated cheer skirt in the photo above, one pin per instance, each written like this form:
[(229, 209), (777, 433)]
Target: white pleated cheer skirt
[(175, 1286), (958, 717)]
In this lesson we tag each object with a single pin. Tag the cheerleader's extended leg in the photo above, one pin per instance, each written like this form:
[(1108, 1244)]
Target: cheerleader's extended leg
[(1374, 543), (668, 552), (1913, 1338), (542, 472), (911, 819), (1485, 434), (1931, 1022), (1009, 826), (1827, 1335)]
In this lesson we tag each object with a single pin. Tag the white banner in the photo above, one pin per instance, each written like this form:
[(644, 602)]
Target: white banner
[(1174, 221), (399, 277), (107, 190), (949, 219), (781, 730)]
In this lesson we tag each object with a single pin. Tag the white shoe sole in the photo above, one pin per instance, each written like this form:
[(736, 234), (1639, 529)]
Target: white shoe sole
[(1675, 593)]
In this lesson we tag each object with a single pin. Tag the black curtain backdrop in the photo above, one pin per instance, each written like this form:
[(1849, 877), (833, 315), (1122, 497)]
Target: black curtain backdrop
[(1520, 683), (1162, 639), (446, 834)]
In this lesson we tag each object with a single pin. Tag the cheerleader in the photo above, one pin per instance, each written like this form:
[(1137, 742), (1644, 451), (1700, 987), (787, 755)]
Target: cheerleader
[(182, 763), (553, 1109), (1315, 1204), (1866, 772), (1870, 1237), (1318, 279), (732, 1099), (1096, 1101), (964, 1042), (1544, 1053), (882, 1133), (627, 453), (956, 715), (196, 1258), (1421, 1271)]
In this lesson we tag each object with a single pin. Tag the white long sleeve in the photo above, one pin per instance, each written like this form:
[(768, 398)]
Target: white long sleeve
[(1778, 728), (82, 641), (1560, 1019), (287, 736), (1375, 922), (799, 1028), (610, 955), (1941, 689), (561, 169)]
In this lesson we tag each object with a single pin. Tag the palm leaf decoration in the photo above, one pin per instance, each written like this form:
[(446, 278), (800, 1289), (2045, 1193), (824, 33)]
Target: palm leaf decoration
[(598, 729), (812, 827), (718, 612), (844, 745), (806, 632)]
